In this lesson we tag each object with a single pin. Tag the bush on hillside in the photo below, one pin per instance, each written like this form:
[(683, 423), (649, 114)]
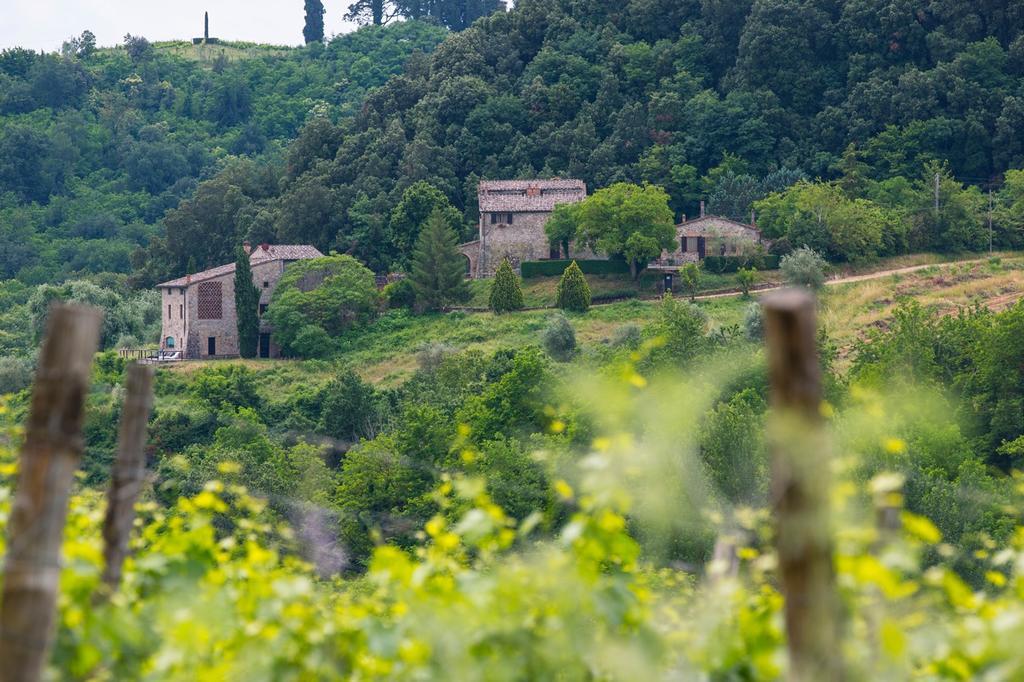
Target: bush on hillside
[(682, 328), (312, 342), (400, 294), (350, 408), (573, 292), (689, 277), (753, 322), (559, 338), (745, 278), (15, 374), (804, 267), (334, 293), (506, 293), (628, 336)]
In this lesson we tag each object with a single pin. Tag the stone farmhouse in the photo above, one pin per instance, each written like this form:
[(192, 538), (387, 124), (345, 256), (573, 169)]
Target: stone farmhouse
[(199, 317), (708, 235), (512, 218), (513, 214)]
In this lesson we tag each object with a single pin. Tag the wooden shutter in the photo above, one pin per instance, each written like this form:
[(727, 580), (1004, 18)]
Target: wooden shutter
[(701, 247)]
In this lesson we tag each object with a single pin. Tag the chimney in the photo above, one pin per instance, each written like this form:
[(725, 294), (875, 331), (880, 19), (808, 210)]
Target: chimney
[(701, 208), (247, 247), (684, 218), (753, 218), (206, 26), (265, 246)]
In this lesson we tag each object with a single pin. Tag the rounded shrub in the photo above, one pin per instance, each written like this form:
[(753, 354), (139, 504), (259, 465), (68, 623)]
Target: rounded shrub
[(313, 342), (400, 294), (506, 294), (559, 338), (573, 291), (804, 267), (753, 322), (15, 374)]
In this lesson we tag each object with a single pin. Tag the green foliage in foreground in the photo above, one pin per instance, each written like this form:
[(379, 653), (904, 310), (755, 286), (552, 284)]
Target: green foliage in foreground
[(481, 590), (573, 292)]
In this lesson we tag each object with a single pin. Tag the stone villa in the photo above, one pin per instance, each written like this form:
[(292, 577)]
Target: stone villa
[(513, 214), (199, 317), (512, 218)]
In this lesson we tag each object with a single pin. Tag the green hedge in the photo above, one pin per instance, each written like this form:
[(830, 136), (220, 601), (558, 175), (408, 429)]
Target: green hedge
[(720, 264), (546, 268)]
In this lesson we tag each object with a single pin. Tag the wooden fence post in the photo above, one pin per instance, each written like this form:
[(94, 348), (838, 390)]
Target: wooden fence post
[(51, 453), (800, 488), (129, 471)]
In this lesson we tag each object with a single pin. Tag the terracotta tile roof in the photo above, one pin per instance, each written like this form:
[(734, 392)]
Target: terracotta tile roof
[(199, 276), (258, 255), (513, 196), (283, 252)]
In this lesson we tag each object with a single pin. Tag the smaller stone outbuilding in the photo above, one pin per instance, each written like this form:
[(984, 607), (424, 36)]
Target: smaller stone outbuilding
[(709, 235), (199, 317)]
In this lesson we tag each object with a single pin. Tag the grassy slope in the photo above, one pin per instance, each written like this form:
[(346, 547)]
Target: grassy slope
[(385, 353), (540, 291)]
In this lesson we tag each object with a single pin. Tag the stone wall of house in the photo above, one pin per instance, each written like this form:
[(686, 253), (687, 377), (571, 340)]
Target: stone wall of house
[(172, 311), (722, 237), (224, 329), (523, 240), (191, 334)]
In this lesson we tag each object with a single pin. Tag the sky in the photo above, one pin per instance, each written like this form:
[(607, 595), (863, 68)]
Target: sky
[(45, 24)]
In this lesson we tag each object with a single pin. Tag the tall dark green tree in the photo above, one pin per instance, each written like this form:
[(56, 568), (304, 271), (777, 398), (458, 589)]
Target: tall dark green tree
[(313, 31), (247, 302), (506, 294), (438, 269)]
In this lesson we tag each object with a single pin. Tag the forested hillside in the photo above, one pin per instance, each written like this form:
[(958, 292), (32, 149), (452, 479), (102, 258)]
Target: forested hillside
[(96, 145), (725, 100)]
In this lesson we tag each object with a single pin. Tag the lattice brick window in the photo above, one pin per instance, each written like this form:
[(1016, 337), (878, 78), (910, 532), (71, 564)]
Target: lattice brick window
[(209, 301)]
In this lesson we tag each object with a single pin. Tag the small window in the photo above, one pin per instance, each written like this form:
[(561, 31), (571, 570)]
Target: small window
[(168, 311), (263, 309), (181, 292), (692, 245), (181, 310), (266, 284), (169, 342)]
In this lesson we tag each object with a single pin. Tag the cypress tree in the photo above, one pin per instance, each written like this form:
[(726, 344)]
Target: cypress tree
[(506, 294), (438, 275), (190, 269), (313, 31), (247, 302), (573, 291)]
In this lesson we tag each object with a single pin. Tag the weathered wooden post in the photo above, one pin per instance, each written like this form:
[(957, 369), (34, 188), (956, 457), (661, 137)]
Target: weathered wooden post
[(800, 488), (51, 453), (129, 471)]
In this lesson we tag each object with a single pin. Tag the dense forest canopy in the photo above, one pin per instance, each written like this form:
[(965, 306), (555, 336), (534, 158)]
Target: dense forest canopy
[(725, 100), (97, 144)]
